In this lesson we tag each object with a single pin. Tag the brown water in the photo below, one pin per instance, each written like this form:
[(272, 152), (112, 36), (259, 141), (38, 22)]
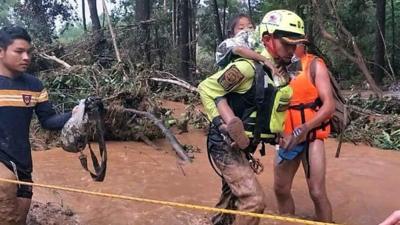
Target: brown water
[(362, 184)]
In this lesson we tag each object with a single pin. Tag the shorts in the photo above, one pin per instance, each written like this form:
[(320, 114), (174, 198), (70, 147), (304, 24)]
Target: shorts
[(23, 191)]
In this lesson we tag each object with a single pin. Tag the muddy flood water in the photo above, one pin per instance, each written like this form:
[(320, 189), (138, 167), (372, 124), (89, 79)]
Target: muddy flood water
[(363, 185)]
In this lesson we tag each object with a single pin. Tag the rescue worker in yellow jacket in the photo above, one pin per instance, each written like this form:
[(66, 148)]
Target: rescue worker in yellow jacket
[(229, 97)]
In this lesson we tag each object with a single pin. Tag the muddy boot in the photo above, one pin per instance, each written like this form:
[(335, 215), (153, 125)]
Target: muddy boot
[(236, 131)]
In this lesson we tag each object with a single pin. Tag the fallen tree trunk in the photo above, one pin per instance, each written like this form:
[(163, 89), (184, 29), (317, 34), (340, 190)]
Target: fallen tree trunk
[(170, 137)]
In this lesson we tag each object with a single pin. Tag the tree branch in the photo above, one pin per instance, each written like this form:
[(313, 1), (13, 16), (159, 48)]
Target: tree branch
[(174, 80), (177, 82), (356, 57), (148, 142), (392, 75), (57, 60), (168, 134)]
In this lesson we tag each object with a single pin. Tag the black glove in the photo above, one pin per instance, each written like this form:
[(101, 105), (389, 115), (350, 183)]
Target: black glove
[(92, 103), (94, 107)]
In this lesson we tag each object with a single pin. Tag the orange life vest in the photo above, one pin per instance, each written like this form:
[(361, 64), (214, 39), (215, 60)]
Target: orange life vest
[(304, 103)]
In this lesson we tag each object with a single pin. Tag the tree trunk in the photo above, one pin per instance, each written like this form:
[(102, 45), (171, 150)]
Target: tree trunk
[(84, 15), (217, 22), (158, 47), (142, 15), (168, 134), (193, 35), (224, 18), (94, 16), (184, 42), (250, 9), (39, 22), (393, 37), (174, 22), (99, 42), (142, 10), (380, 38), (178, 20)]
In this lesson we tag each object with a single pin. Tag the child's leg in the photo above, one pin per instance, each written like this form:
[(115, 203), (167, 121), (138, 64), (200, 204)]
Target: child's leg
[(234, 126)]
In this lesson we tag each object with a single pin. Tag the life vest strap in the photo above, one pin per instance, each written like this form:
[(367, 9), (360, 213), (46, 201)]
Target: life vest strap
[(311, 105)]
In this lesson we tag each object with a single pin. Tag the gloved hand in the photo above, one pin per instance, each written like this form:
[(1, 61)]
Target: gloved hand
[(93, 103)]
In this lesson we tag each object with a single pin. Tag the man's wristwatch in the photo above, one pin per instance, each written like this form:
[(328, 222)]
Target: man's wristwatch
[(297, 132)]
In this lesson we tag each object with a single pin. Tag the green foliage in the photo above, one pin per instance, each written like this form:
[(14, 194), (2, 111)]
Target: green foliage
[(262, 7), (119, 86), (388, 140), (71, 33), (381, 130), (40, 17), (124, 12), (375, 122), (358, 16), (5, 7), (387, 105), (207, 36)]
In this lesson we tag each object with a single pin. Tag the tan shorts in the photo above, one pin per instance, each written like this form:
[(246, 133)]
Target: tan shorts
[(23, 191)]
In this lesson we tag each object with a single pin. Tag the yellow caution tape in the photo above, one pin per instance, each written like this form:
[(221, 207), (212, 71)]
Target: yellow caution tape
[(172, 204)]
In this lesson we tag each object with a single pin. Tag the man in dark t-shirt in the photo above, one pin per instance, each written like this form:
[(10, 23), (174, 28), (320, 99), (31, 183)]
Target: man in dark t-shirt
[(20, 95)]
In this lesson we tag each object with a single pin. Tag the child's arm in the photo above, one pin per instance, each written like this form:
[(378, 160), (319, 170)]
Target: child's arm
[(250, 54)]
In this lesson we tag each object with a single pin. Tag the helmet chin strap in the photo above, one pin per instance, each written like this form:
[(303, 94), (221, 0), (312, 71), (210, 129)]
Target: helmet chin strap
[(271, 48), (269, 44)]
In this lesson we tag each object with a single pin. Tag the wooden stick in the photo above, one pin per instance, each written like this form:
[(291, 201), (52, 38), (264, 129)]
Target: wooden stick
[(148, 142), (168, 134), (112, 32), (57, 60), (392, 75), (177, 82)]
